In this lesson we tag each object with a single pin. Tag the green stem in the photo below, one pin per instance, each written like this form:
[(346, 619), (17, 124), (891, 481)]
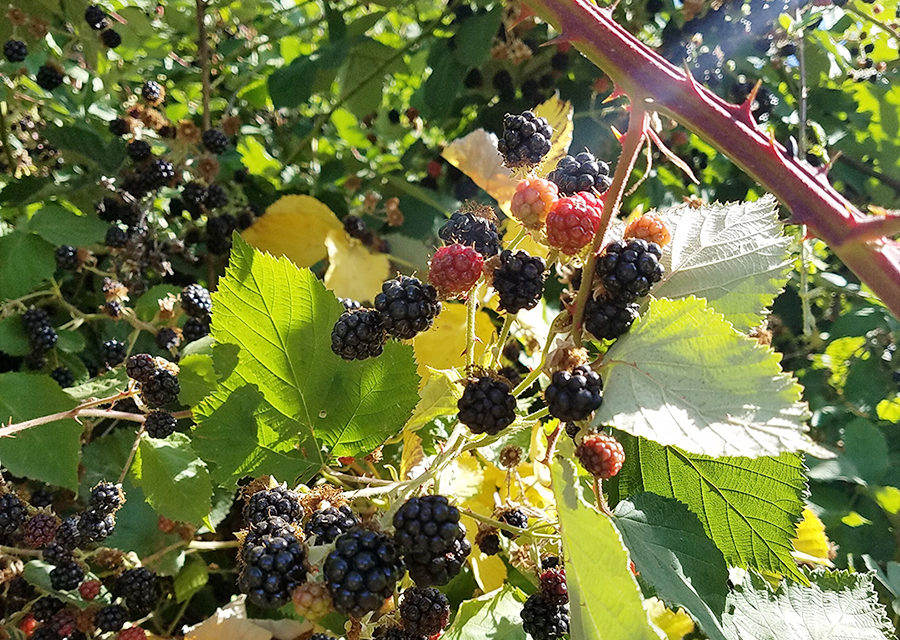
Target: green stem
[(472, 308), (504, 334)]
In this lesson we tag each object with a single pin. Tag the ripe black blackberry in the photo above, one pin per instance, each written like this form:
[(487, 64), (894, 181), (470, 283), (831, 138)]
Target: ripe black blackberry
[(215, 141), (106, 498), (273, 564), (116, 237), (167, 338), (607, 318), (49, 77), (67, 257), (42, 339), (573, 395), (321, 636), (140, 367), (95, 17), (474, 79), (119, 127), (489, 544), (63, 376), (543, 619), (44, 608), (68, 537), (152, 92), (519, 281), (218, 233), (525, 140), (113, 308), (35, 317), (139, 588), (359, 334), (35, 361), (41, 498), (95, 527), (111, 38), (160, 424), (158, 174), (194, 196), (66, 576), (216, 197), (55, 553), (582, 172), (468, 229), (325, 525), (362, 571), (195, 328), (113, 352), (40, 530), (160, 389), (269, 503), (487, 405), (407, 306), (424, 611), (354, 226), (15, 50), (12, 513), (515, 518), (109, 209), (111, 618), (628, 269), (432, 541), (196, 301), (138, 150)]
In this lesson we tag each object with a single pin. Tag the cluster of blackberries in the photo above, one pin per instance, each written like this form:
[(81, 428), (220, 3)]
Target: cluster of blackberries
[(197, 304), (545, 614), (98, 21), (158, 386), (627, 270), (404, 308), (525, 139), (582, 172), (42, 337)]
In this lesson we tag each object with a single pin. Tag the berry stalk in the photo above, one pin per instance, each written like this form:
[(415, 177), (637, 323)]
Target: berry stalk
[(646, 77), (632, 143)]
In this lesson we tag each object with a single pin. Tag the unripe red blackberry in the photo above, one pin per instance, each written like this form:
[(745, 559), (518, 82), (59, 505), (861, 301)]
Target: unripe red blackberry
[(40, 530), (424, 611), (525, 139), (312, 600), (160, 424), (532, 201), (407, 306), (601, 455), (455, 269), (573, 221), (650, 228), (487, 405), (572, 396), (89, 589), (553, 585), (132, 633)]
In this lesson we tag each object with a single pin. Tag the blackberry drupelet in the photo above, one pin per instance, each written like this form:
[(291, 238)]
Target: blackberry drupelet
[(15, 50), (111, 38), (44, 608), (519, 281), (582, 172), (140, 367), (572, 396), (424, 611), (514, 518), (349, 304), (362, 571), (268, 503), (95, 17), (215, 141), (195, 328), (139, 588), (325, 525), (359, 334), (67, 257), (12, 513), (138, 150), (407, 306), (543, 619), (525, 140), (114, 352), (66, 575), (273, 564), (160, 389), (466, 228), (106, 498), (167, 338), (628, 269), (196, 301), (432, 541), (607, 318), (160, 424), (487, 405), (216, 198), (111, 618)]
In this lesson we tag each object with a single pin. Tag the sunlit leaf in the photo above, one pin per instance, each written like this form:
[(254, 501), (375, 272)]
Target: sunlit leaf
[(295, 227), (353, 271)]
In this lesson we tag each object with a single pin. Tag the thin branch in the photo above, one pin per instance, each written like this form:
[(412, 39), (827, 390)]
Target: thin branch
[(131, 454), (471, 311), (203, 52), (74, 413)]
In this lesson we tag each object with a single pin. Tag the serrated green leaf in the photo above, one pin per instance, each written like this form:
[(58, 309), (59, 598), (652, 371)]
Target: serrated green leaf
[(100, 387), (58, 225), (748, 506), (27, 261), (13, 339), (685, 376), (733, 255), (837, 604), (173, 478), (493, 616), (671, 550), (607, 609), (197, 377), (23, 397), (281, 319)]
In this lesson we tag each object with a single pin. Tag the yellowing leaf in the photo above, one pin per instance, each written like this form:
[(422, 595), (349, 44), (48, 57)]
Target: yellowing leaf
[(437, 397), (489, 571), (295, 227), (476, 156), (675, 624), (854, 519), (559, 116), (444, 345), (353, 271), (528, 244), (413, 454), (810, 540), (889, 409), (888, 498)]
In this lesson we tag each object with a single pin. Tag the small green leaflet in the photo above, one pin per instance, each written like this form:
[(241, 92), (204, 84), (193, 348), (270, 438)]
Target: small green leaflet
[(173, 478), (684, 376), (837, 605), (493, 616), (733, 255)]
